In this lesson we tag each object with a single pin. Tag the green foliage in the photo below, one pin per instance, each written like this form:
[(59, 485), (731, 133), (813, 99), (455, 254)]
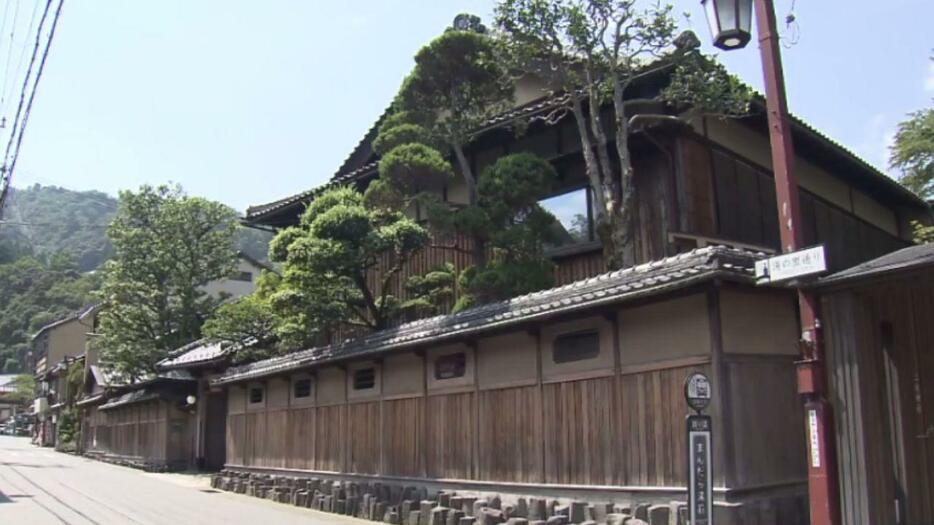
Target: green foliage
[(249, 317), (912, 153), (429, 293), (592, 51), (24, 388), (705, 85), (167, 247), (412, 168), (398, 135), (57, 220), (326, 264), (922, 233), (34, 293), (68, 427)]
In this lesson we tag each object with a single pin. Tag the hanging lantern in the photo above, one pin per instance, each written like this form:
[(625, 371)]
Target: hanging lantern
[(729, 21)]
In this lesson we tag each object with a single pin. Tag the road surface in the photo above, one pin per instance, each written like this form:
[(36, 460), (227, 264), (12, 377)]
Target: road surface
[(39, 486)]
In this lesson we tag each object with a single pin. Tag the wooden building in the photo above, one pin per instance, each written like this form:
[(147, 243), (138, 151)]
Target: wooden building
[(146, 424), (575, 392), (880, 355)]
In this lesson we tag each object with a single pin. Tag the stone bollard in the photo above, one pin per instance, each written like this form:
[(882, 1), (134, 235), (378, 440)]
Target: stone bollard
[(490, 516), (468, 520), (537, 509), (454, 517), (425, 507), (522, 508), (517, 521), (414, 518), (406, 507), (557, 519), (642, 511), (601, 511), (635, 521), (439, 516), (659, 515), (477, 506), (616, 519), (579, 512)]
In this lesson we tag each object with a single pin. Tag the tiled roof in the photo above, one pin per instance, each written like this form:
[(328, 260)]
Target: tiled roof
[(6, 383), (200, 351), (609, 288), (70, 316), (136, 396), (909, 258)]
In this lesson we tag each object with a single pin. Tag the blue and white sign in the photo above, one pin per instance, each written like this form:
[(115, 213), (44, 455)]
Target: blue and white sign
[(700, 479), (791, 265)]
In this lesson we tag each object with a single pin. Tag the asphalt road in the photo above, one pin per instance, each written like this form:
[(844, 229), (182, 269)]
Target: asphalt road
[(39, 486)]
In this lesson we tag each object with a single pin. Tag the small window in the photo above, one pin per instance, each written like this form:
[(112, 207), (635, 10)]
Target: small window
[(301, 388), (451, 366), (576, 346), (256, 395), (246, 277), (573, 215), (364, 379)]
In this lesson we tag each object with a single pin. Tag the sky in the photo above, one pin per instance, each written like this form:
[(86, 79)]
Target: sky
[(247, 102)]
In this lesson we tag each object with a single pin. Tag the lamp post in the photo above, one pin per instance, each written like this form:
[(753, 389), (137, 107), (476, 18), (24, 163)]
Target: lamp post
[(730, 22)]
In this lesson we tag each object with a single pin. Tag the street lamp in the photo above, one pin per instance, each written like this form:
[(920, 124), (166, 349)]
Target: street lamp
[(729, 22)]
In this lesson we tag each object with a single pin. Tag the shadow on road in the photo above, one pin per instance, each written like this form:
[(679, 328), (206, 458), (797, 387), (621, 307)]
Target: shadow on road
[(31, 465)]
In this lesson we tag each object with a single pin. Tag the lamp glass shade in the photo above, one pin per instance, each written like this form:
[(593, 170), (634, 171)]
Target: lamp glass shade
[(729, 22)]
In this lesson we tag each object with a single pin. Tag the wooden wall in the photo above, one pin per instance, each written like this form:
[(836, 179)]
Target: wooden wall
[(609, 425), (725, 196), (880, 359), (152, 432)]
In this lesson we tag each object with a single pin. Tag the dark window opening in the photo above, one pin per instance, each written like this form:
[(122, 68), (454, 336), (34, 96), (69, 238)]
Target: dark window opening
[(301, 388), (576, 346), (574, 217), (246, 277), (364, 378), (451, 366), (256, 395)]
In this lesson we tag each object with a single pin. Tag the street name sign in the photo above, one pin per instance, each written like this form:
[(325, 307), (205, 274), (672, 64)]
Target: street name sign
[(788, 266), (700, 482)]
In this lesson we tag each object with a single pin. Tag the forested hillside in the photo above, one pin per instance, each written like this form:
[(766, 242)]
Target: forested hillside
[(45, 220), (51, 242)]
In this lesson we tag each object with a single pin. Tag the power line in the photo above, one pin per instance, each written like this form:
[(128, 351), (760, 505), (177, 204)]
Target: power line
[(22, 56), (9, 54), (7, 174)]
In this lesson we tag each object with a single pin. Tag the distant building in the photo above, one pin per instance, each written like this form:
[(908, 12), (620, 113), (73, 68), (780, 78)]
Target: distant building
[(7, 389)]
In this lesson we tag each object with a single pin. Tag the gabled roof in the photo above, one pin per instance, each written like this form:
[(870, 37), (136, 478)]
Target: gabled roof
[(904, 260), (81, 313), (807, 138), (652, 278), (200, 352)]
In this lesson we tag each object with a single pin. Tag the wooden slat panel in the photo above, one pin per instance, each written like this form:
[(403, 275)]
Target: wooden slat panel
[(402, 436), (363, 437), (329, 424), (579, 430), (511, 447), (301, 440), (449, 436)]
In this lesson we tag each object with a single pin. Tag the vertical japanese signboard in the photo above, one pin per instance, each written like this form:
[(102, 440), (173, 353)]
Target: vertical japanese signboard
[(700, 489), (698, 393)]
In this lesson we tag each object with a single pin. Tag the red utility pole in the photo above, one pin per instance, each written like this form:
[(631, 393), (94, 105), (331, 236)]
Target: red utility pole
[(822, 465)]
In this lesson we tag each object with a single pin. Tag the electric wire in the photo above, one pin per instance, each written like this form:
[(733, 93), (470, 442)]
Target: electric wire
[(9, 169), (9, 56), (22, 53)]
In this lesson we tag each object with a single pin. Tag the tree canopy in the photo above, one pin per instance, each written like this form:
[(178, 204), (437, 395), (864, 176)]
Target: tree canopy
[(167, 247), (327, 261), (912, 153), (590, 52)]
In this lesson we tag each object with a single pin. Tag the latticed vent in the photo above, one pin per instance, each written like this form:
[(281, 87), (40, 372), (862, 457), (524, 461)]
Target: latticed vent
[(451, 366), (576, 346), (301, 388), (364, 378)]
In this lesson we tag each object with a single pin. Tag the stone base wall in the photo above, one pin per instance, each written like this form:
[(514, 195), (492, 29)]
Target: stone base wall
[(145, 464), (409, 505)]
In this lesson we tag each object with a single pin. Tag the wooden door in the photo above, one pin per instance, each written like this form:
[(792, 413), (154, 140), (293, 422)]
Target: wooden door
[(215, 431)]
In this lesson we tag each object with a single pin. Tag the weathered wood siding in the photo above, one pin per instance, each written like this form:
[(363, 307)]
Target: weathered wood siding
[(568, 424), (879, 341), (150, 432)]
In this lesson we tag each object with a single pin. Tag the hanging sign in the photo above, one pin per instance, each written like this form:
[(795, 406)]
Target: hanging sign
[(700, 480), (790, 265)]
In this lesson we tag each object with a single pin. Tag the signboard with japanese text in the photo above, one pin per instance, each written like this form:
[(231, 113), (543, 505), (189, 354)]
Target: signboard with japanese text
[(700, 479), (791, 265)]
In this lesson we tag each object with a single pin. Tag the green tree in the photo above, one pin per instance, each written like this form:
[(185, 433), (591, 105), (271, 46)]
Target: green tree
[(912, 153), (328, 262), (458, 83), (34, 293), (167, 247), (24, 388), (591, 52), (248, 324)]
